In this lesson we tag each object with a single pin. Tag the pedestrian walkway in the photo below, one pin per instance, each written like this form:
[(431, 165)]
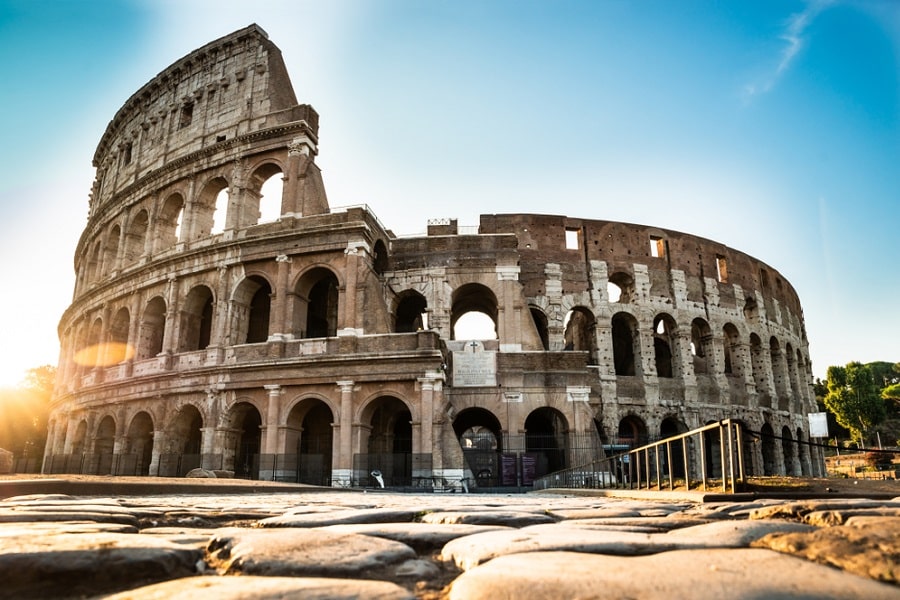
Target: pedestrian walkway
[(289, 541)]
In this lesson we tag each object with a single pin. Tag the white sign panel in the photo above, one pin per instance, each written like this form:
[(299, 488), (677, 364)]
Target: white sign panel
[(474, 367), (818, 425)]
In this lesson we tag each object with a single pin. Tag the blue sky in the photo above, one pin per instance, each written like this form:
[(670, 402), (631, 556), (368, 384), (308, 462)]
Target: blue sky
[(770, 126)]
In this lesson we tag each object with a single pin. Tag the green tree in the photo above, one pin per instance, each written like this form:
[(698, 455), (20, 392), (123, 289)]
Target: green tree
[(24, 411), (853, 398)]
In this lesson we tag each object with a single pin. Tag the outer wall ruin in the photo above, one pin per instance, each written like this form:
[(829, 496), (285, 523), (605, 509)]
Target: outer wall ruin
[(314, 345)]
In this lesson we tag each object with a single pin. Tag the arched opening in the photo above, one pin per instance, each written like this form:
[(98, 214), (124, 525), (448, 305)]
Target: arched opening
[(758, 367), (247, 424), (220, 212), (316, 310), (210, 209), (185, 442), (751, 310), (788, 451), (626, 348), (252, 305), (580, 332), (545, 441), (117, 348), (111, 252), (270, 193), (767, 439), (104, 441), (138, 450), (95, 262), (474, 313), (90, 355), (196, 319), (310, 436), (793, 381), (632, 432), (620, 288), (665, 343), (542, 326), (669, 427), (411, 315), (480, 436), (152, 328), (75, 459), (380, 260), (136, 238), (168, 223), (733, 363), (390, 443), (779, 373), (701, 347)]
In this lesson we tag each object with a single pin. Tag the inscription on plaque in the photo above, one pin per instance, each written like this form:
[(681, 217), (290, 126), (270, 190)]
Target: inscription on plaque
[(474, 367)]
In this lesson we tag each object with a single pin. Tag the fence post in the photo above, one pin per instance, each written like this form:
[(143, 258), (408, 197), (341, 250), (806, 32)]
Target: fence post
[(722, 455), (703, 460), (731, 456)]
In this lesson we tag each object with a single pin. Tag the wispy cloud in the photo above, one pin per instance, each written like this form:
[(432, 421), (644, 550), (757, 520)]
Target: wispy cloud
[(794, 36)]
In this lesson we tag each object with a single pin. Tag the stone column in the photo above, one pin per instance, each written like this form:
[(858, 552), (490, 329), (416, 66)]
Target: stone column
[(279, 323), (509, 309), (345, 459), (170, 333), (347, 316), (429, 385)]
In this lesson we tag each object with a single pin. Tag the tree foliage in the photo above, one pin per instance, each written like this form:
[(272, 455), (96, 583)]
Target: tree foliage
[(853, 398), (24, 411)]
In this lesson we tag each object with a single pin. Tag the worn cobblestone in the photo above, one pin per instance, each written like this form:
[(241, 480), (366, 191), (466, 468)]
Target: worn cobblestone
[(345, 544)]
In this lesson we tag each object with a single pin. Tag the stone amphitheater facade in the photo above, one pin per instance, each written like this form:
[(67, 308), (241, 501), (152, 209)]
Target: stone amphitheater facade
[(318, 346)]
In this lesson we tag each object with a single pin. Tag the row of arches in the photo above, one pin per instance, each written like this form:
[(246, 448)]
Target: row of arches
[(199, 320), (152, 227), (765, 452), (675, 351)]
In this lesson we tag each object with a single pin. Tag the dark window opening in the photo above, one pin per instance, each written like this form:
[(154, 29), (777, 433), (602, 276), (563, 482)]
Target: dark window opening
[(187, 115)]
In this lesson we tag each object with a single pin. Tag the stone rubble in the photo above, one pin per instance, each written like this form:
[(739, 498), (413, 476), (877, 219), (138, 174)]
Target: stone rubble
[(345, 544)]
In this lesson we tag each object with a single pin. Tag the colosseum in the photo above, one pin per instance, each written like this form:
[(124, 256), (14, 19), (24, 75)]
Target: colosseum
[(226, 317)]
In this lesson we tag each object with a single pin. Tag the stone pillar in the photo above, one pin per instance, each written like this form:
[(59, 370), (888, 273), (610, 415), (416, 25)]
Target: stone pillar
[(347, 317), (279, 321), (429, 386), (509, 309), (553, 291), (220, 333), (345, 459), (159, 442), (208, 442), (170, 332), (270, 433)]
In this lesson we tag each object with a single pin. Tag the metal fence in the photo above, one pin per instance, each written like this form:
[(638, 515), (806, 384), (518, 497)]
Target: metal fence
[(687, 460)]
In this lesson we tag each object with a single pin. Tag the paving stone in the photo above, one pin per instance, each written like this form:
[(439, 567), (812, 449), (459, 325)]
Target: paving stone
[(267, 588), (651, 524), (736, 534), (870, 548), (305, 552), (506, 518), (823, 518), (797, 510), (57, 527), (421, 537), (63, 565), (22, 516), (470, 551), (338, 517), (741, 574)]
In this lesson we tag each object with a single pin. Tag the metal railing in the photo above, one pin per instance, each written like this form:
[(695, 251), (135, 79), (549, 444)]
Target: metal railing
[(698, 458)]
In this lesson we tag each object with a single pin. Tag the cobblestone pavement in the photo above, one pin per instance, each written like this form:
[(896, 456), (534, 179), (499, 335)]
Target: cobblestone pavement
[(345, 544)]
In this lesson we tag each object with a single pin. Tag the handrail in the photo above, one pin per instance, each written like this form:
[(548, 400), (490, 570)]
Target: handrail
[(639, 467)]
